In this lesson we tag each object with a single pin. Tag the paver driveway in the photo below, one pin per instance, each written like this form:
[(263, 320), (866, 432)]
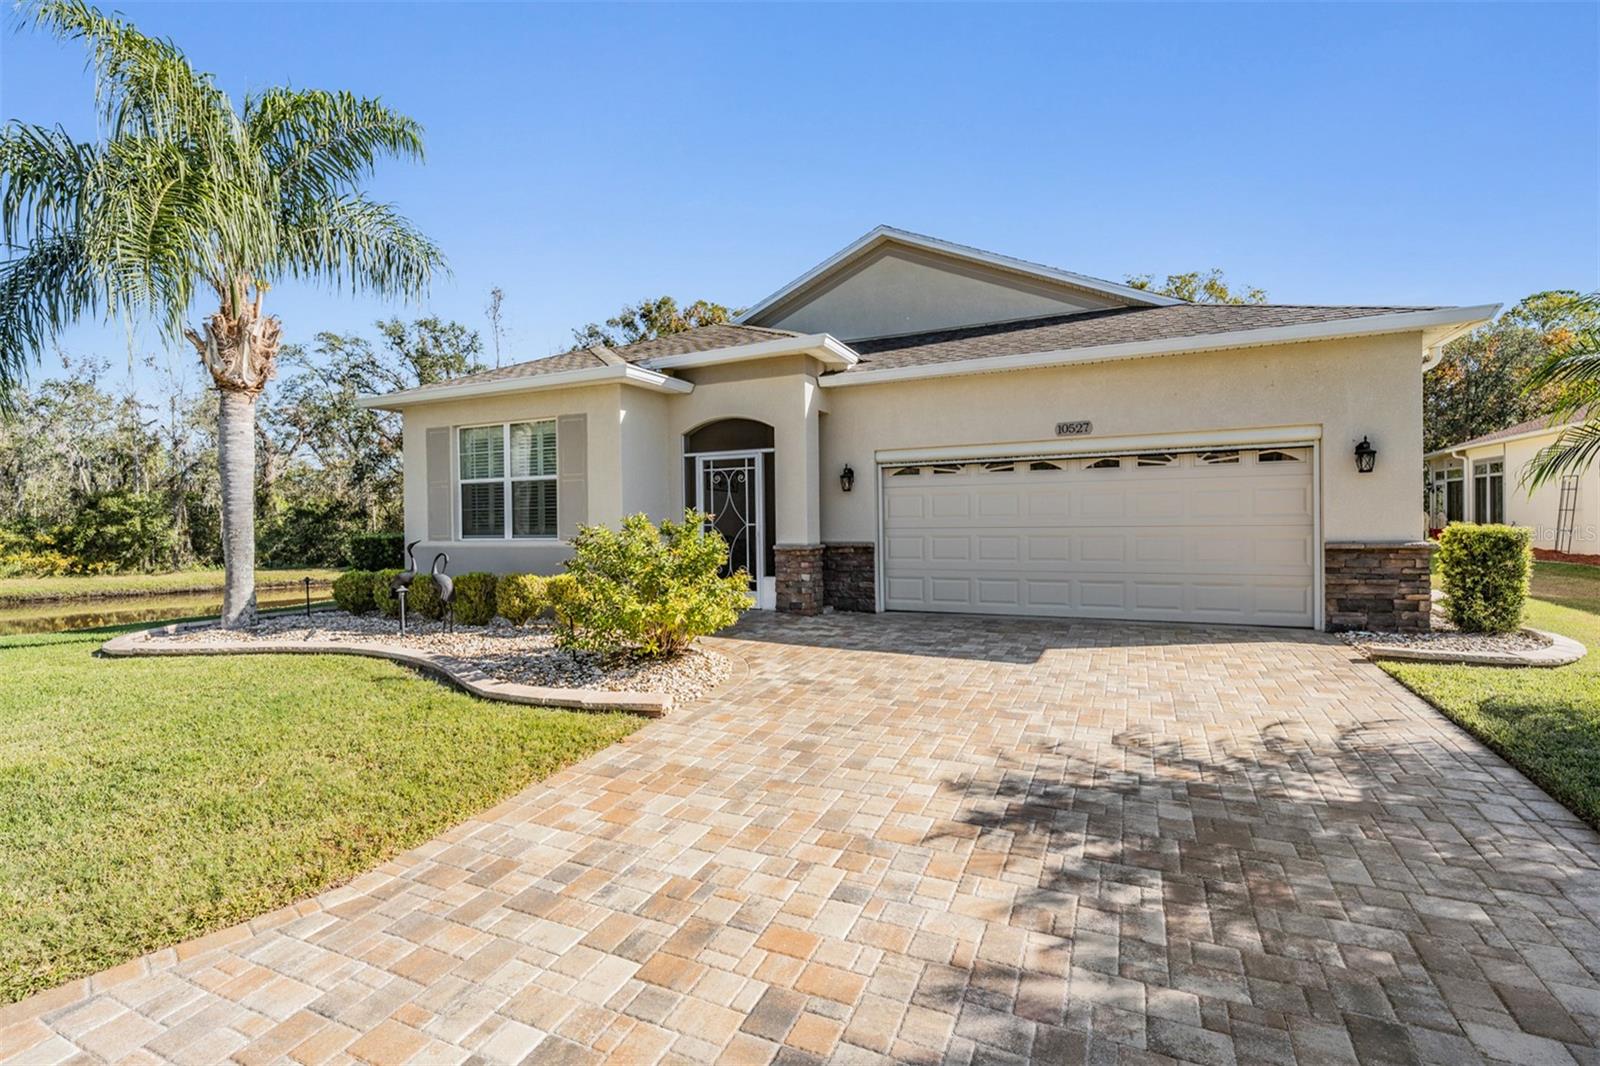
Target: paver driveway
[(926, 839)]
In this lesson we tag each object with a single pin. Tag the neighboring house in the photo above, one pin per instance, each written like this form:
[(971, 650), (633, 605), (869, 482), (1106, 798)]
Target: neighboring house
[(1481, 480), (918, 425)]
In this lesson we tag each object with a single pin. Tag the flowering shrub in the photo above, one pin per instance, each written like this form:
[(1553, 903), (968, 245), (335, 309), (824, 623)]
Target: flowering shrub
[(645, 589)]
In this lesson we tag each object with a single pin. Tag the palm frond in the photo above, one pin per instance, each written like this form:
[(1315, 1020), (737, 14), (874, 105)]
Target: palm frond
[(143, 84), (327, 141), (42, 290), (44, 175), (1573, 452), (357, 242)]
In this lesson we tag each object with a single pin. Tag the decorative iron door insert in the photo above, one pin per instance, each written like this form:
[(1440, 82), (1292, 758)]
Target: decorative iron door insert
[(729, 490)]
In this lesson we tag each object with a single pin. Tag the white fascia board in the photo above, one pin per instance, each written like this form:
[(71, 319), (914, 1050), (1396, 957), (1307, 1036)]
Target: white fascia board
[(1472, 446), (821, 345), (1263, 436), (566, 379), (887, 234), (1396, 322)]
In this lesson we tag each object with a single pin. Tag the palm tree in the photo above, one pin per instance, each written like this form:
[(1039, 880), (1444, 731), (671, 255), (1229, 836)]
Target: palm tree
[(182, 196), (1572, 372)]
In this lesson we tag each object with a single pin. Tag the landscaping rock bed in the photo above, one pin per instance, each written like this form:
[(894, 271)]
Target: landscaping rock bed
[(523, 655), (1447, 644)]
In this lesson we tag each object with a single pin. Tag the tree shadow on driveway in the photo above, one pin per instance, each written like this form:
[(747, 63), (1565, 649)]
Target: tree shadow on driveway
[(1362, 897)]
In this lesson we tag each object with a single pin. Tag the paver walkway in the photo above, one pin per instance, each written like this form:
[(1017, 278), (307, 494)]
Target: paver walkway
[(930, 839)]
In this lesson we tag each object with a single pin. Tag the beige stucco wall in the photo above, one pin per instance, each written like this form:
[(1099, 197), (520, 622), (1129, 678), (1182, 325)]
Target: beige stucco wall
[(902, 290), (1350, 388), (604, 406), (784, 394), (1538, 508)]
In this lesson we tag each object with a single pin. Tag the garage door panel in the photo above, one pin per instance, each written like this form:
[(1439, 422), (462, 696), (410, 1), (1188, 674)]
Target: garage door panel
[(1164, 538)]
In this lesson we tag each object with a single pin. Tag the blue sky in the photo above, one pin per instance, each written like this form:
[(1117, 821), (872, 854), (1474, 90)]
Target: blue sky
[(585, 156)]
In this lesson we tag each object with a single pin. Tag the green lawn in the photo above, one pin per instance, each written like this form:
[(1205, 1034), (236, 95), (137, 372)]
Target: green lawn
[(146, 801), (18, 590), (1544, 722)]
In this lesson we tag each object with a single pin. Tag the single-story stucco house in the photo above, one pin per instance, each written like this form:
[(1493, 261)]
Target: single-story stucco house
[(1481, 480), (915, 425)]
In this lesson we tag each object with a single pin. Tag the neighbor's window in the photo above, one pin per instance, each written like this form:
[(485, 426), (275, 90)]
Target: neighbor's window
[(508, 480), (1447, 495), (1489, 492)]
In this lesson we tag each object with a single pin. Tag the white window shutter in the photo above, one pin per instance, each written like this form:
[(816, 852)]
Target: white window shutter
[(572, 468), (441, 497)]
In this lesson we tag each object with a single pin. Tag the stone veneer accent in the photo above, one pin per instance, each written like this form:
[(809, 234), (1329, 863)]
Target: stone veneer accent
[(799, 578), (850, 577), (1380, 587)]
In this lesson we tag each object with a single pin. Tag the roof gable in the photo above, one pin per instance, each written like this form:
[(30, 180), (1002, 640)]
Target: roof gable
[(894, 282)]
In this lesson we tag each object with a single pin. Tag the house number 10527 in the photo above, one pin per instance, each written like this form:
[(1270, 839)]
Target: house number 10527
[(1074, 429)]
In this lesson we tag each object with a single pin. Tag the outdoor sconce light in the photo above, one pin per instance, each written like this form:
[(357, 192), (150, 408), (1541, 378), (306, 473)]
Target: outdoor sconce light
[(847, 478), (1366, 457)]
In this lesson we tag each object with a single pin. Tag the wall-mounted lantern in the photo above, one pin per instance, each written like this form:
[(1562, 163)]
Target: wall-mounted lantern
[(847, 478), (1366, 457)]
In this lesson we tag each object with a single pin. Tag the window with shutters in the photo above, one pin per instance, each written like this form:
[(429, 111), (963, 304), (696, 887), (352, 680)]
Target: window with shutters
[(507, 476)]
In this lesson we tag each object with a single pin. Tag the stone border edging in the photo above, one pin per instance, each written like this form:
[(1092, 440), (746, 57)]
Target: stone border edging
[(648, 704), (1562, 651)]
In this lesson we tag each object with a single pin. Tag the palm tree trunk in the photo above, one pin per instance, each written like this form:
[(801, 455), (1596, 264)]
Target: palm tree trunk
[(236, 455)]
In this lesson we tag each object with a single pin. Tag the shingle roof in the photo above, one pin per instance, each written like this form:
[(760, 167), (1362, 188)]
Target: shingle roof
[(701, 339), (1093, 328), (1532, 425)]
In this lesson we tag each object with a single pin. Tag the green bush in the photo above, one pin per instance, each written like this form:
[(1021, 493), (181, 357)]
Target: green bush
[(564, 600), (423, 600), (383, 596), (120, 531), (520, 598), (352, 591), (1485, 571), (647, 590), (22, 555), (307, 533), (475, 598), (374, 551)]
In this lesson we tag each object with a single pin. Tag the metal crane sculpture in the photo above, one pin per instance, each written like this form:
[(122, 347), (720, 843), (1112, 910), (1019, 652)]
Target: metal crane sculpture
[(402, 582), (404, 578), (447, 590)]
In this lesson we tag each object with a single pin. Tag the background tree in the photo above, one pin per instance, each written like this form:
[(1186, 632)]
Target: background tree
[(649, 319), (494, 313), (182, 193), (1200, 287), (1572, 370), (1487, 379)]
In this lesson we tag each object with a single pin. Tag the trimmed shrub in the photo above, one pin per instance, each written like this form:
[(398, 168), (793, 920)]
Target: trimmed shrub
[(377, 551), (475, 598), (383, 597), (647, 590), (564, 599), (520, 598), (1485, 571), (352, 591), (423, 600)]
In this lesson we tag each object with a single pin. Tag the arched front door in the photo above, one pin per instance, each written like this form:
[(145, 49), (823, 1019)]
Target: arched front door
[(728, 474)]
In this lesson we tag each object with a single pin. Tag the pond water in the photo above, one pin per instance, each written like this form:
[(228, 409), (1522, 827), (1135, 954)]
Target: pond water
[(89, 614)]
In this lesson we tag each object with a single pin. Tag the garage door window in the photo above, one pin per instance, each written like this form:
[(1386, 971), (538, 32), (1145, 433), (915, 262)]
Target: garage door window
[(1105, 464)]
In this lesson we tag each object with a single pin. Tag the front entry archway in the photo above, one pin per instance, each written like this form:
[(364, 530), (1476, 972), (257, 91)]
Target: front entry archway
[(728, 474)]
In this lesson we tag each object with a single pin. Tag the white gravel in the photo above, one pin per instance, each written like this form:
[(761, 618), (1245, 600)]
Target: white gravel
[(1446, 637), (522, 654)]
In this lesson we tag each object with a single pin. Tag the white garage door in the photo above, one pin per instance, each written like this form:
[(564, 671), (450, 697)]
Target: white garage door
[(1218, 536)]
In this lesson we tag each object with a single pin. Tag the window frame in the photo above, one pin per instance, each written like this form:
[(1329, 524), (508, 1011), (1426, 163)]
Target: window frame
[(1492, 474), (506, 481)]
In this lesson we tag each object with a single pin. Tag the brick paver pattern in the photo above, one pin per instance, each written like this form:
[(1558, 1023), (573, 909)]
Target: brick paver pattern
[(924, 839)]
